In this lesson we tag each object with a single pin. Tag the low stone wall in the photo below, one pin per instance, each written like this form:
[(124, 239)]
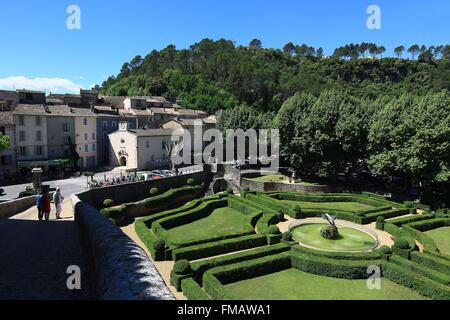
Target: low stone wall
[(121, 268), (284, 187), (13, 207), (134, 192)]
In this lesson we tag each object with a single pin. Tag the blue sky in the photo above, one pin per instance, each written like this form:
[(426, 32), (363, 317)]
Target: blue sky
[(40, 51)]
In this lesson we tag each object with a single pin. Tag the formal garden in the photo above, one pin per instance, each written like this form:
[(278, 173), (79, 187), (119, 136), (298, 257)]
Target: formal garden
[(273, 245)]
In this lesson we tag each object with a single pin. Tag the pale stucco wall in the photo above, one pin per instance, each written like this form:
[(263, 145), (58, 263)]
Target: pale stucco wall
[(80, 140), (123, 143), (30, 127)]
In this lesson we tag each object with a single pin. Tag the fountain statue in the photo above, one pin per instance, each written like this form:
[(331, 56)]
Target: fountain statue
[(331, 231)]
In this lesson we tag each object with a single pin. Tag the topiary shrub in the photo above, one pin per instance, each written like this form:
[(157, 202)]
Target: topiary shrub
[(141, 177), (154, 191), (159, 245), (297, 212), (287, 236), (273, 230), (385, 250), (401, 244), (190, 182), (182, 267), (108, 203), (380, 223)]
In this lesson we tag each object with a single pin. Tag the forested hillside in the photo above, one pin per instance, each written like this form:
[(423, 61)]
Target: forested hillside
[(213, 75)]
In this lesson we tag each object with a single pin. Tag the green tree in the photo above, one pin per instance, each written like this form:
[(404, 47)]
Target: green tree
[(399, 51), (255, 43), (4, 142), (414, 50)]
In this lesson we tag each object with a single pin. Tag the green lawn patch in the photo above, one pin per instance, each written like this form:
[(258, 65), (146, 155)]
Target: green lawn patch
[(222, 222), (441, 237), (292, 284), (346, 206), (272, 178), (350, 239)]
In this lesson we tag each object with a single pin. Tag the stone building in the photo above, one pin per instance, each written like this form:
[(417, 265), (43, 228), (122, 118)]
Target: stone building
[(8, 167), (142, 149)]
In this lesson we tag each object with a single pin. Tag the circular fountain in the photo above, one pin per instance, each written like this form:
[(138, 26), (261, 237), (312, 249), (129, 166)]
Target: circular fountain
[(333, 236)]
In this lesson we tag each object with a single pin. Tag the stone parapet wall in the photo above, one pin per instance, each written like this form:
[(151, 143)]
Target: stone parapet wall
[(122, 270)]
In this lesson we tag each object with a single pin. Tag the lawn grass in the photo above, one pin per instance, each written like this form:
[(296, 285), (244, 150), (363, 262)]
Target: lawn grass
[(350, 240), (281, 178), (442, 238), (222, 222), (346, 206), (293, 284), (272, 178)]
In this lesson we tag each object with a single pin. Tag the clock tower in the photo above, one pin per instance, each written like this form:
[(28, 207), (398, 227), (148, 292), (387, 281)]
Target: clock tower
[(123, 126)]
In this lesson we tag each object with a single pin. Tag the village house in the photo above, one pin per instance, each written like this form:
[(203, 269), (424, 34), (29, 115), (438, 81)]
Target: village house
[(141, 149)]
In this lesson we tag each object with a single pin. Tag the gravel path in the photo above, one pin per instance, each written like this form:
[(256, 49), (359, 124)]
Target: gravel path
[(34, 257)]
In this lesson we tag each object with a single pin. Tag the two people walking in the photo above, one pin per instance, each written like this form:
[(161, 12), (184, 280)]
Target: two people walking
[(43, 204)]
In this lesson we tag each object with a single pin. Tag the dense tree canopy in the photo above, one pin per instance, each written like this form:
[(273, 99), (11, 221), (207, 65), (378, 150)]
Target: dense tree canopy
[(213, 75), (334, 113)]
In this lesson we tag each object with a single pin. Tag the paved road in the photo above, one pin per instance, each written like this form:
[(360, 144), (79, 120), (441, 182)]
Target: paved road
[(34, 257), (68, 186)]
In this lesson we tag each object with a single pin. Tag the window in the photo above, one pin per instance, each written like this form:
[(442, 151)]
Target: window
[(21, 120), (65, 127), (164, 145), (38, 121), (38, 136), (22, 135), (6, 160), (85, 121), (148, 144), (114, 124), (93, 147), (105, 125), (85, 136), (39, 151), (93, 135), (66, 140), (86, 148), (23, 151)]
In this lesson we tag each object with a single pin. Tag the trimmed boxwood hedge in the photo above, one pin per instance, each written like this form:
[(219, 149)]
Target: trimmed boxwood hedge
[(266, 221), (346, 269), (430, 224), (271, 203), (428, 243), (431, 261), (400, 233), (371, 217), (148, 238), (193, 291), (337, 255), (422, 270), (242, 206), (219, 247), (248, 269), (202, 266), (116, 214), (418, 283), (171, 196), (405, 220)]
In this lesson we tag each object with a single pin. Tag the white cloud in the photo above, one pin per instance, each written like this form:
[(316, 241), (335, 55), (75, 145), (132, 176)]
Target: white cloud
[(54, 85)]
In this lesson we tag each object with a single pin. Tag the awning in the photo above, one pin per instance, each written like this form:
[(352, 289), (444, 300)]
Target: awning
[(38, 163)]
